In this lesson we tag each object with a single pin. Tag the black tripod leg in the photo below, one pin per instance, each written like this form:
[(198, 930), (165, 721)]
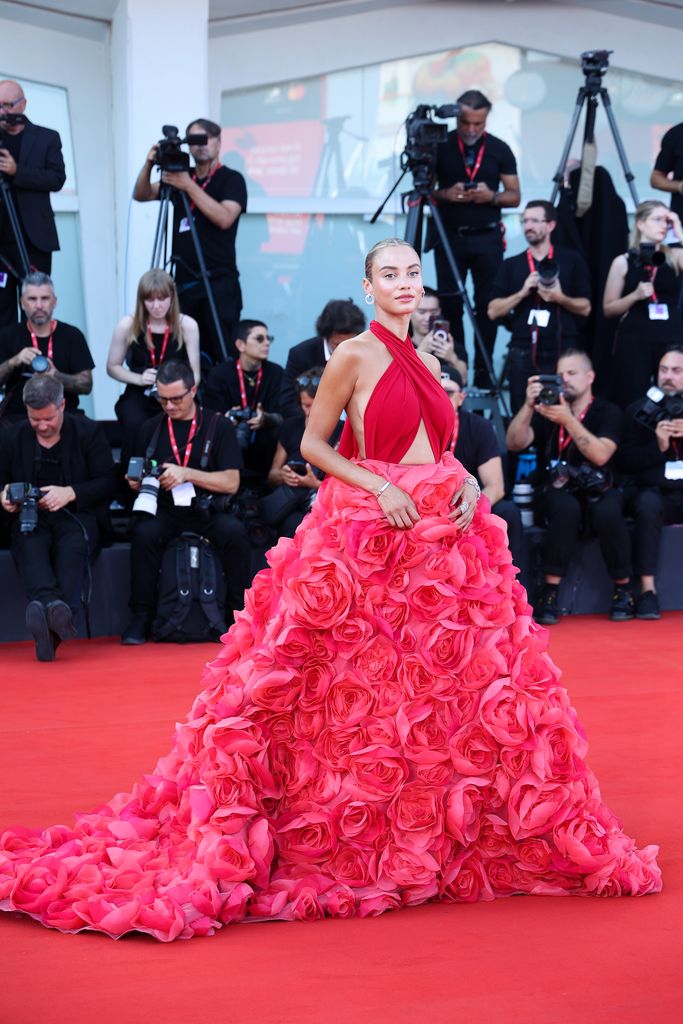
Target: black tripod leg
[(204, 274), (413, 204), (16, 226), (558, 177), (628, 174)]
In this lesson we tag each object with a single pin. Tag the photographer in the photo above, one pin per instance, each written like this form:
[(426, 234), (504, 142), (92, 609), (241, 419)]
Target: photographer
[(42, 345), (63, 467), (470, 168), (218, 197), (651, 454), (542, 293), (187, 495), (644, 288), (32, 163), (667, 175), (576, 435), (247, 391), (429, 332)]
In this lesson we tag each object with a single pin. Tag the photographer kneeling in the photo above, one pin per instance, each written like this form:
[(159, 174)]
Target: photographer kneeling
[(59, 477), (652, 454), (173, 445), (576, 435)]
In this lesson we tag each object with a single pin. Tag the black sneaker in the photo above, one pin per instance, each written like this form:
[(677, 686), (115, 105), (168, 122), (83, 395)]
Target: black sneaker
[(137, 631), (647, 606), (36, 622), (60, 620), (546, 612), (623, 605)]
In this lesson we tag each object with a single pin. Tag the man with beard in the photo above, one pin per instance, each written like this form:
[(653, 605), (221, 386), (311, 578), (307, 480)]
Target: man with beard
[(543, 295), (576, 438)]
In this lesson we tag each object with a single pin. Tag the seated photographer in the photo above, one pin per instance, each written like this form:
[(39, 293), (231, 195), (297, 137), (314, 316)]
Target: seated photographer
[(247, 391), (340, 319), (172, 448), (643, 288), (474, 444), (431, 333), (651, 453), (58, 478), (576, 435), (542, 295), (42, 345), (142, 341)]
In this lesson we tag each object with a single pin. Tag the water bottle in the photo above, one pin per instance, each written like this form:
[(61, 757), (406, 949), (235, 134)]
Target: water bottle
[(523, 491)]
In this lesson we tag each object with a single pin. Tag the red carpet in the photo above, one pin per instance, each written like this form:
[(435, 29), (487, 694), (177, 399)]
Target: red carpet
[(74, 732)]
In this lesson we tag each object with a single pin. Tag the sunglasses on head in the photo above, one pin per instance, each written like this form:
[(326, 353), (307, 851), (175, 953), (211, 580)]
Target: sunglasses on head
[(308, 382)]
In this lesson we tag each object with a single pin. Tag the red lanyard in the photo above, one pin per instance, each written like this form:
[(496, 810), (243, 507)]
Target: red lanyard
[(151, 349), (456, 431), (203, 184), (53, 324), (565, 438), (243, 390), (188, 443), (531, 261), (534, 327), (653, 271), (472, 172)]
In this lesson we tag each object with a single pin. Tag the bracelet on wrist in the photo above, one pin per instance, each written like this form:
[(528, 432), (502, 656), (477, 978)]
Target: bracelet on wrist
[(387, 483), (473, 482)]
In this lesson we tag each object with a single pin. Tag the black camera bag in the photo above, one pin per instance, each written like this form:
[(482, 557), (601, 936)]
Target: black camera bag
[(191, 592)]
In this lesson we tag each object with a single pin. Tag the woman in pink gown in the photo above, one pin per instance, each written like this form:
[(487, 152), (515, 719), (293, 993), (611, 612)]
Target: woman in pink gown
[(382, 727)]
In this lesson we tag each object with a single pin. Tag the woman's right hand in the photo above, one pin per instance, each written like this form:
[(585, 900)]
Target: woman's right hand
[(148, 376), (398, 507), (644, 290)]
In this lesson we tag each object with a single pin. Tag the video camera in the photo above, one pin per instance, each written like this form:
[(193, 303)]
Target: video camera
[(658, 406), (26, 496), (646, 258), (551, 390), (170, 156), (595, 62), (423, 134)]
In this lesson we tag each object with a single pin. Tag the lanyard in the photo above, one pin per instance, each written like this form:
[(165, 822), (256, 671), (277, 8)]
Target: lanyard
[(150, 345), (564, 439), (653, 271), (534, 327), (53, 324), (203, 184), (456, 431), (472, 172), (188, 444), (243, 390)]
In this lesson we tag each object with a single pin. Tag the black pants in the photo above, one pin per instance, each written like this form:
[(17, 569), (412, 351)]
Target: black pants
[(509, 511), (52, 560), (568, 515), (481, 255), (150, 536), (652, 509), (9, 295), (133, 410), (228, 298)]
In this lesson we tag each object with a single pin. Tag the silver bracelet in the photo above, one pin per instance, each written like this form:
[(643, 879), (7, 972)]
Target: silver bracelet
[(473, 483), (387, 483)]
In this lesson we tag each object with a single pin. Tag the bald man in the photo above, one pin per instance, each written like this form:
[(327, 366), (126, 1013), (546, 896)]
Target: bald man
[(31, 163)]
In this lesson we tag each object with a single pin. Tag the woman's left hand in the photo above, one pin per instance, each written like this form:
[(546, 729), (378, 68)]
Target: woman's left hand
[(464, 505)]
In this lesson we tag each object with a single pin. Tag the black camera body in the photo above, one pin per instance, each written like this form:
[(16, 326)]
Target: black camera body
[(170, 157), (551, 390), (423, 134), (26, 496), (658, 406), (239, 419), (595, 62), (139, 468), (548, 271), (587, 479), (646, 258)]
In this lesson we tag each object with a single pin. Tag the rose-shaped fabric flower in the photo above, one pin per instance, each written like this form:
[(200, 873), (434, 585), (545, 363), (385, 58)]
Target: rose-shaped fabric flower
[(505, 715), (306, 837), (376, 773), (416, 816), (473, 750), (463, 809), (377, 661), (352, 635), (353, 865), (465, 879), (362, 824), (349, 700), (322, 596), (535, 807), (423, 729)]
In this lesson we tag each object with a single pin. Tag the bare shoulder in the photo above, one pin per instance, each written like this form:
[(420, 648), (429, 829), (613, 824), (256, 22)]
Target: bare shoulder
[(353, 351), (432, 363)]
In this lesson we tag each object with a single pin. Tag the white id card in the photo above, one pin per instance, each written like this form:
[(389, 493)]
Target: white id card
[(674, 470), (658, 311), (3, 280), (184, 225), (540, 317), (183, 494)]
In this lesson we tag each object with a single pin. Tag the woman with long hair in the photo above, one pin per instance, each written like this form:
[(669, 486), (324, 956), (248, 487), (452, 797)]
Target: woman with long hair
[(643, 288), (383, 726)]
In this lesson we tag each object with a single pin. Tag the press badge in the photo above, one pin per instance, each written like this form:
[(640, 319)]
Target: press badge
[(3, 280), (658, 311), (540, 317), (184, 225), (183, 494), (674, 470)]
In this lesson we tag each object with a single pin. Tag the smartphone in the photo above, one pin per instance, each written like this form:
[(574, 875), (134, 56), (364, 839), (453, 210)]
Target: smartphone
[(441, 327), (298, 467), (469, 185)]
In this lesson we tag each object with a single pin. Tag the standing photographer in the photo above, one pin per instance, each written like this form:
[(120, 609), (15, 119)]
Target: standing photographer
[(576, 436), (544, 293), (32, 163), (652, 454), (644, 288), (188, 496), (218, 197)]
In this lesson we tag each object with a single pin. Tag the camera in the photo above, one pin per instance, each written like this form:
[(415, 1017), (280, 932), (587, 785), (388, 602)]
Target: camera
[(298, 467), (646, 258), (239, 419), (551, 389), (658, 406), (422, 134), (595, 62), (590, 480), (39, 364), (170, 156), (148, 472), (26, 496), (547, 271)]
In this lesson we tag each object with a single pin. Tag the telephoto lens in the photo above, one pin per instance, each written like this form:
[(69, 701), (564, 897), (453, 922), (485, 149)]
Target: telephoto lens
[(148, 496)]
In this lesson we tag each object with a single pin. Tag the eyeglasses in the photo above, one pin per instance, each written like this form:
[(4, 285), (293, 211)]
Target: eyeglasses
[(11, 103), (533, 220), (173, 399), (308, 382), (261, 337)]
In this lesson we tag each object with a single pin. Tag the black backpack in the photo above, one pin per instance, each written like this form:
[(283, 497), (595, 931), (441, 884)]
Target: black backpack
[(191, 593)]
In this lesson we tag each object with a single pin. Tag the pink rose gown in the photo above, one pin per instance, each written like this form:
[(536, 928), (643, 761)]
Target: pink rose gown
[(382, 727)]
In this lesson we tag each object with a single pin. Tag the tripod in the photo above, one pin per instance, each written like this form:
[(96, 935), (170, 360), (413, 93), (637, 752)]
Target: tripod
[(166, 195), (594, 65)]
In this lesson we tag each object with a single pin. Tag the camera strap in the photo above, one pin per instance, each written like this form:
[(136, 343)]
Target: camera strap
[(34, 339), (534, 327), (472, 171), (564, 438), (152, 446), (204, 461)]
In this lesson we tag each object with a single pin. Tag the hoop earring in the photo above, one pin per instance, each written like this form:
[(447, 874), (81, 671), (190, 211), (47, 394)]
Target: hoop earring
[(369, 298)]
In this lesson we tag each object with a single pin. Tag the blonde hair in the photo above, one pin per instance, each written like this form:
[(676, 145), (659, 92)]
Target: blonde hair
[(153, 284), (643, 211), (386, 243)]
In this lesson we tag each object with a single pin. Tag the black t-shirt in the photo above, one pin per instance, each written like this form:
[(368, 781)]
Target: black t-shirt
[(222, 391), (603, 419), (476, 442), (497, 159), (667, 285), (563, 327), (70, 354), (639, 455), (12, 143), (670, 158), (290, 435), (48, 466), (139, 359), (223, 454), (218, 244)]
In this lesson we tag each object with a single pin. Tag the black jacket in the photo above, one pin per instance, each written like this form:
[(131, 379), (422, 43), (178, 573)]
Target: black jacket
[(302, 357), (40, 171)]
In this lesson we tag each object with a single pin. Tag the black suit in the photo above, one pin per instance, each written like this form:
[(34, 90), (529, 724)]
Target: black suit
[(40, 170), (302, 357)]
